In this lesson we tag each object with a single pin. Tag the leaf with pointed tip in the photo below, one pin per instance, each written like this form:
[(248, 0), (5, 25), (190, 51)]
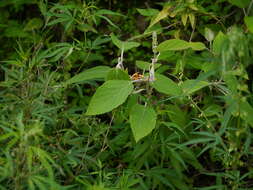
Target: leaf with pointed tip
[(94, 73), (161, 15), (142, 121), (165, 85), (123, 45), (218, 42), (191, 86), (197, 46), (117, 74), (144, 65), (249, 22), (173, 45), (109, 96), (177, 44)]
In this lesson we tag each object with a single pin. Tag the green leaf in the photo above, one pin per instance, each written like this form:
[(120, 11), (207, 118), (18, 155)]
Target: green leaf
[(191, 86), (94, 73), (246, 112), (148, 12), (107, 12), (123, 45), (144, 65), (218, 42), (142, 121), (209, 34), (184, 18), (177, 115), (240, 3), (35, 23), (109, 96), (117, 74), (165, 85), (197, 46), (249, 22), (161, 15), (177, 44), (15, 32), (192, 19), (231, 82), (86, 28), (173, 45)]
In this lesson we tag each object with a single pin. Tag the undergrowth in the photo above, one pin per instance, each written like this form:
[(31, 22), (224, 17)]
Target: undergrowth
[(135, 95)]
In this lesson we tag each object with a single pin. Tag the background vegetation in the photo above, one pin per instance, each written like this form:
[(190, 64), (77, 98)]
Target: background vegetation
[(197, 115)]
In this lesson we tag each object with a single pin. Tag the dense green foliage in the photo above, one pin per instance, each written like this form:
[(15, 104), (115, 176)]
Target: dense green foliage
[(128, 95)]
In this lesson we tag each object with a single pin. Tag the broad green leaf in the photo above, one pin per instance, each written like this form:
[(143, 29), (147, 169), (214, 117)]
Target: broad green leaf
[(144, 65), (249, 22), (148, 12), (197, 46), (142, 121), (218, 42), (123, 45), (165, 85), (173, 45), (191, 86), (240, 3), (99, 72), (109, 96), (177, 44), (117, 74)]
